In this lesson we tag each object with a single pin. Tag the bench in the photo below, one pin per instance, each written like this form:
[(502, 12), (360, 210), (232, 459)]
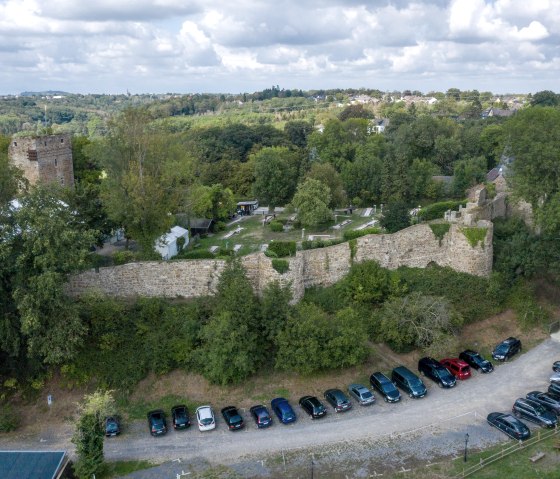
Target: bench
[(537, 456)]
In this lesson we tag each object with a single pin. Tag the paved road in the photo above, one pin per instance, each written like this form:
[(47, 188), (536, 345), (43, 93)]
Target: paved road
[(446, 414)]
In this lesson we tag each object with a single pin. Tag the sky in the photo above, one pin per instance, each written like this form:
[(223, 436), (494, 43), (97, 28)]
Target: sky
[(225, 46)]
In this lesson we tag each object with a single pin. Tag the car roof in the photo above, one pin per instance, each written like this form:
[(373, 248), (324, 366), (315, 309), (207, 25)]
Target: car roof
[(358, 386), (204, 411), (156, 412), (381, 377)]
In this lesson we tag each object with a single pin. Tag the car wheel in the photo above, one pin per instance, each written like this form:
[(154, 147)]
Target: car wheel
[(386, 400), (440, 385), (422, 373), (516, 414), (410, 396)]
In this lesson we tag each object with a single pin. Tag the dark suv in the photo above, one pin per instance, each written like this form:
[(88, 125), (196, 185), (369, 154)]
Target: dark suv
[(506, 349), (338, 400), (554, 389), (535, 412), (476, 361), (180, 416), (437, 372), (549, 401), (157, 423), (408, 382), (385, 387)]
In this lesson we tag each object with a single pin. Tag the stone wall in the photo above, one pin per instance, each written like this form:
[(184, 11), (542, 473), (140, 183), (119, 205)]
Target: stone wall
[(415, 246), (44, 159)]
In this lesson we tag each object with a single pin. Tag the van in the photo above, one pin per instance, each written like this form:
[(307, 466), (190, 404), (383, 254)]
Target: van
[(411, 384)]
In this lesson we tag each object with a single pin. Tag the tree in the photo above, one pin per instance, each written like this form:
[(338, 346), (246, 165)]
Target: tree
[(367, 283), (276, 172), (492, 142), (534, 142), (355, 111), (395, 217), (89, 434), (297, 132), (45, 242), (326, 174), (311, 200), (468, 172), (312, 341), (275, 310), (545, 98), (417, 321), (420, 181), (215, 202)]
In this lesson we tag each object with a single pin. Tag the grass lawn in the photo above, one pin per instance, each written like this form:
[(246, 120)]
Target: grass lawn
[(254, 234), (122, 468)]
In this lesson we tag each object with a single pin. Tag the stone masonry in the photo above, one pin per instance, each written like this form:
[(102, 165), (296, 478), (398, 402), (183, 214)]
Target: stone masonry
[(44, 159), (415, 246)]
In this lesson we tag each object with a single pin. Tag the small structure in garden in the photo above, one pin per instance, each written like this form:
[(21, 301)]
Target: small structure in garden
[(169, 244), (245, 208)]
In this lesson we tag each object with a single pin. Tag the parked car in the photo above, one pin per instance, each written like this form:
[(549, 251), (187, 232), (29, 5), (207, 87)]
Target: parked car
[(438, 373), (476, 361), (283, 410), (411, 384), (205, 418), (459, 368), (556, 366), (361, 394), (112, 426), (534, 412), (180, 417), (157, 422), (338, 400), (385, 386), (506, 349), (312, 406), (232, 417), (261, 416), (509, 425), (555, 378), (554, 389), (549, 401)]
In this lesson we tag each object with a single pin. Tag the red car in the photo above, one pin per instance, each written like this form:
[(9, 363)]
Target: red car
[(459, 368)]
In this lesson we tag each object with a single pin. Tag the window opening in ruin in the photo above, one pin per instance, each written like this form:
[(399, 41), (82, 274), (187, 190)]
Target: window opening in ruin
[(45, 143), (62, 140), (32, 155), (15, 143), (55, 162)]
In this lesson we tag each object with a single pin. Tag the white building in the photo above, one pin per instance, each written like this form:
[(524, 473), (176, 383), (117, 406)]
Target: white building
[(166, 245)]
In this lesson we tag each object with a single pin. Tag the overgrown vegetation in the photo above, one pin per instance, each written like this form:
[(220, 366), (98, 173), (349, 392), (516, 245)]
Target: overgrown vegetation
[(280, 265), (475, 235), (281, 249), (436, 211), (440, 230), (353, 234)]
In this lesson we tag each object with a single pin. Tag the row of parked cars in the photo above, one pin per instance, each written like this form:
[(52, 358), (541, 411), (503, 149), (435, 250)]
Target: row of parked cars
[(445, 373), (542, 408)]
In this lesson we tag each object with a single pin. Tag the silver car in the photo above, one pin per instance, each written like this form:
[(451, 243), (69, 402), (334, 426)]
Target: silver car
[(361, 394)]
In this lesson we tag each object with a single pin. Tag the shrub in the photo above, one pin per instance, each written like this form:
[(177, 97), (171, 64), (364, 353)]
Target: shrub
[(440, 230), (195, 254), (9, 420), (280, 265), (474, 235), (219, 226), (282, 248), (435, 211), (319, 243), (123, 257), (353, 234), (523, 301), (276, 227), (353, 245)]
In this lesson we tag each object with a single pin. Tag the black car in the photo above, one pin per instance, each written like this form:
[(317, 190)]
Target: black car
[(261, 416), (506, 349), (112, 426), (476, 361), (509, 425), (338, 400), (232, 417), (549, 401), (312, 406), (180, 417), (405, 379), (534, 412), (157, 423), (554, 389), (437, 372), (556, 366), (385, 387)]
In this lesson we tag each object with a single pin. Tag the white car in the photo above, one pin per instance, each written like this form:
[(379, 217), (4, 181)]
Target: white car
[(205, 418)]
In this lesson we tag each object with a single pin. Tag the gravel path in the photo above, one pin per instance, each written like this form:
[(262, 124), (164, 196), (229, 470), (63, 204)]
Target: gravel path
[(391, 435)]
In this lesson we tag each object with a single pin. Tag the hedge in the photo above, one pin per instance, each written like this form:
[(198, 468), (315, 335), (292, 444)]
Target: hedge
[(319, 243), (280, 265), (282, 248), (435, 211), (276, 227), (196, 254), (353, 234)]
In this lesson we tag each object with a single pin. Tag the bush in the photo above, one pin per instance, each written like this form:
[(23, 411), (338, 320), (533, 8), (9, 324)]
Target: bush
[(319, 243), (353, 234), (9, 420), (523, 301), (282, 248), (474, 235), (218, 226), (440, 230), (436, 211), (367, 283), (123, 257), (280, 265), (276, 227), (195, 254)]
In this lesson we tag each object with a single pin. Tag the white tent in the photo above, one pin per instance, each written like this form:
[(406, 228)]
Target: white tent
[(166, 245)]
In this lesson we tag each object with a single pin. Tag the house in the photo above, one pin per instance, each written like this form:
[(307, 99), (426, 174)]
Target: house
[(200, 226), (169, 244), (496, 112), (378, 126), (245, 208), (33, 464)]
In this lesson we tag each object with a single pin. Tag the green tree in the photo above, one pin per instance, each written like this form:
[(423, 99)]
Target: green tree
[(545, 98), (215, 202), (534, 142), (420, 174), (395, 217), (311, 200), (468, 172), (276, 171), (492, 142), (297, 132), (275, 310), (368, 283), (45, 242), (326, 174), (89, 434)]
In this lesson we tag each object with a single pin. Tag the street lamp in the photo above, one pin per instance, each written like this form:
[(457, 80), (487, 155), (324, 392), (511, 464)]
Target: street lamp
[(466, 442)]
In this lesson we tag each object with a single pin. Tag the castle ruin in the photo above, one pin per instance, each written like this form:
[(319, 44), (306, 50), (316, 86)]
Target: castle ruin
[(44, 159)]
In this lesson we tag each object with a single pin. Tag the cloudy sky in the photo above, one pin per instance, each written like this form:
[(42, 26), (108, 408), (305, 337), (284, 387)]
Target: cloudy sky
[(157, 46)]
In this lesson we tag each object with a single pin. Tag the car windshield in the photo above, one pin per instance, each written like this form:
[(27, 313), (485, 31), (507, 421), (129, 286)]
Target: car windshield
[(539, 409), (366, 395), (236, 418), (415, 383), (206, 421), (502, 349)]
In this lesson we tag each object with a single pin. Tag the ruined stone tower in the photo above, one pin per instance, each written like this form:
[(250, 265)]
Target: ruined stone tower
[(44, 159)]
